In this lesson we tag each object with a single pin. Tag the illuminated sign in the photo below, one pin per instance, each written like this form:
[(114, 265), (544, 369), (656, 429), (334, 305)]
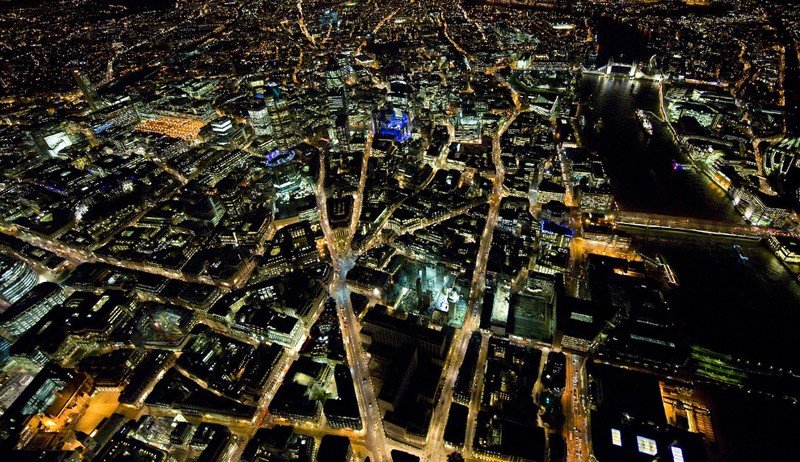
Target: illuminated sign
[(646, 445), (677, 454), (616, 437)]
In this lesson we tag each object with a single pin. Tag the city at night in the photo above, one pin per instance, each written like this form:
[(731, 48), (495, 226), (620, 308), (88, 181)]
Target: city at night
[(400, 230)]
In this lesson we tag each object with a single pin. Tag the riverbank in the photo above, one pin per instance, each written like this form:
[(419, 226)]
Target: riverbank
[(641, 167), (719, 290)]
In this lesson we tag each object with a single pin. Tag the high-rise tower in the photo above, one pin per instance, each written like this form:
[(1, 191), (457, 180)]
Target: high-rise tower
[(88, 90)]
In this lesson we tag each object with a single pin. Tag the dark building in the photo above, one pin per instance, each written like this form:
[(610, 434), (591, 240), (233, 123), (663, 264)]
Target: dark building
[(629, 424), (343, 412), (534, 308), (278, 444), (335, 449), (389, 330)]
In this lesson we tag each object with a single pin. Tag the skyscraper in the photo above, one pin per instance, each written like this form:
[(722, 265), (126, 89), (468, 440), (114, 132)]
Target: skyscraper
[(16, 278), (334, 83), (88, 90), (259, 118), (281, 117)]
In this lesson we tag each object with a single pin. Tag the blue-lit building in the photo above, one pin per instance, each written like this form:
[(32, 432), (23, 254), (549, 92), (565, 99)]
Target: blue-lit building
[(285, 175), (555, 225), (393, 124), (557, 234), (279, 157)]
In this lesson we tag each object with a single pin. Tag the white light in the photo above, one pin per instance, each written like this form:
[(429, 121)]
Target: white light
[(616, 437), (677, 454), (646, 445)]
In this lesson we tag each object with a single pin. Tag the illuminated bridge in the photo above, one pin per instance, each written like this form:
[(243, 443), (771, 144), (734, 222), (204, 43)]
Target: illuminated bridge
[(773, 380), (613, 68), (694, 225), (628, 70)]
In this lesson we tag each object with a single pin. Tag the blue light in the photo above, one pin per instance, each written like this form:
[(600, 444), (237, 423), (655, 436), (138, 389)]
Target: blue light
[(101, 128), (549, 227), (279, 157), (394, 125), (55, 189)]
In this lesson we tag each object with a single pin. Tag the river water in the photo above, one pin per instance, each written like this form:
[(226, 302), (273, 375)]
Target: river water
[(748, 308), (641, 167)]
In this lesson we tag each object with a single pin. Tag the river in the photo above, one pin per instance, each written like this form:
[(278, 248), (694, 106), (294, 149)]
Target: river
[(746, 308), (641, 167)]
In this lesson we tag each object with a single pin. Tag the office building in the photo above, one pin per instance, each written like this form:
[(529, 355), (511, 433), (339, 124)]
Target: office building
[(88, 90), (534, 308), (16, 278), (26, 311)]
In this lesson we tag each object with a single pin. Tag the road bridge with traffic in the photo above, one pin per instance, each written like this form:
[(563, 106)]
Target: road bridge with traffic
[(622, 219)]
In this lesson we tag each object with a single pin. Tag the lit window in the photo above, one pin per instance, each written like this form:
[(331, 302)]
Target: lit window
[(646, 445), (616, 437), (677, 454)]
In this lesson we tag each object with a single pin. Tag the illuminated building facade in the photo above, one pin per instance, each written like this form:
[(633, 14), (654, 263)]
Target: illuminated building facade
[(16, 278), (393, 124), (535, 308), (282, 115), (259, 119), (286, 177), (28, 310)]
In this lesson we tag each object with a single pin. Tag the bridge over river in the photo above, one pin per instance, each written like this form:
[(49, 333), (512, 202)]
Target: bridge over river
[(653, 221)]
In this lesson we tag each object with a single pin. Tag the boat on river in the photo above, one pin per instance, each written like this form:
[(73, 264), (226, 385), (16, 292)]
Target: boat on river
[(645, 122)]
